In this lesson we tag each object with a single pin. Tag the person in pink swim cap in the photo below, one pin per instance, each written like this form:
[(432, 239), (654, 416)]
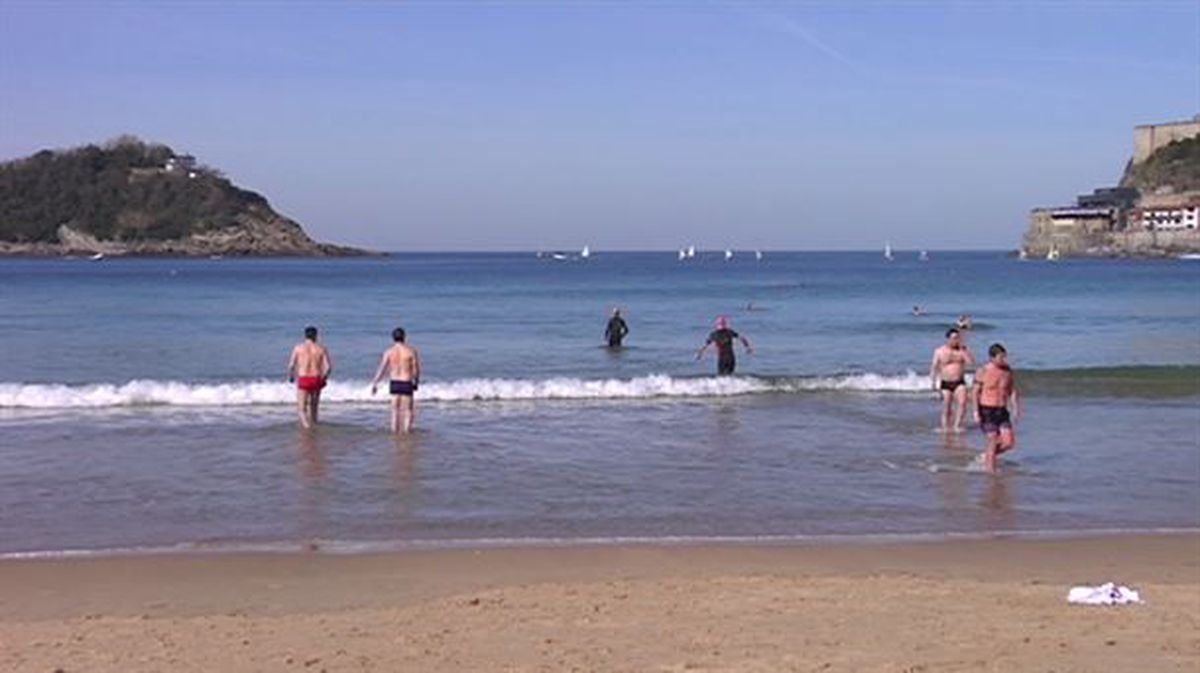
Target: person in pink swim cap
[(722, 338)]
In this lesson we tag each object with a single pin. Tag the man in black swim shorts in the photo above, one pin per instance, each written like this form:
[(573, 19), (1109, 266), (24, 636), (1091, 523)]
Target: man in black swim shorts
[(948, 373), (402, 365)]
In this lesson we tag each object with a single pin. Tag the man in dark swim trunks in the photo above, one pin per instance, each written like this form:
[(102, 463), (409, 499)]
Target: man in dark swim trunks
[(402, 363), (616, 330), (722, 338), (948, 373), (995, 386), (309, 367)]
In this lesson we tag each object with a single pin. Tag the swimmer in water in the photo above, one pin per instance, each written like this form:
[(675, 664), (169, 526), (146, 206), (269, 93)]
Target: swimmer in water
[(722, 338), (964, 322), (402, 364), (995, 387), (309, 368), (616, 330), (947, 373), (917, 311)]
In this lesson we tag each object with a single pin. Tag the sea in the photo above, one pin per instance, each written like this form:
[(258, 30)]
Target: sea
[(144, 406)]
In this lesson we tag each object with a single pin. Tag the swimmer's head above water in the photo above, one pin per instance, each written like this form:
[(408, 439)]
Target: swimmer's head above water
[(722, 322), (310, 333), (398, 335)]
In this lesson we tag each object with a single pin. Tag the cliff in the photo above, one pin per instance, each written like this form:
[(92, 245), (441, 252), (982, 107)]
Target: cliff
[(1154, 212), (129, 197)]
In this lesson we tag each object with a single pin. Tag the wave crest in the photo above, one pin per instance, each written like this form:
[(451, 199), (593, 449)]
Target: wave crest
[(262, 392)]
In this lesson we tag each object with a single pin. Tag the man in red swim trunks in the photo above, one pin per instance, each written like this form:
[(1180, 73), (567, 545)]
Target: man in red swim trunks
[(309, 368)]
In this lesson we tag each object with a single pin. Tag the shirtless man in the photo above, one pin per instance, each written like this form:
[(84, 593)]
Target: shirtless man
[(994, 387), (947, 373), (309, 368), (403, 365)]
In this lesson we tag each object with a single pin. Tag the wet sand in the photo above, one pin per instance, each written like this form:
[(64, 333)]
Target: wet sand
[(982, 605)]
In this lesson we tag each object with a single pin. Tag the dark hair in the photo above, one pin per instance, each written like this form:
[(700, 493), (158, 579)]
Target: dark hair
[(310, 332), (951, 331), (995, 349), (398, 335)]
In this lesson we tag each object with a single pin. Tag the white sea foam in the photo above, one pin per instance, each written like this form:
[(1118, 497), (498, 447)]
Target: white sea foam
[(247, 393)]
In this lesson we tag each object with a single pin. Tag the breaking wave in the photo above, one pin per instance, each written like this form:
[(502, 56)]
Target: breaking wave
[(248, 393), (1129, 381)]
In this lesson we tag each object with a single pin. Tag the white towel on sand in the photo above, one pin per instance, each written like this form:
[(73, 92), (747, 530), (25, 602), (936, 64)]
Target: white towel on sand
[(1105, 594)]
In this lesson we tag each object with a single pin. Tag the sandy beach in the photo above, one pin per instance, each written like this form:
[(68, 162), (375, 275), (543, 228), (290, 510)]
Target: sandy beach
[(979, 605)]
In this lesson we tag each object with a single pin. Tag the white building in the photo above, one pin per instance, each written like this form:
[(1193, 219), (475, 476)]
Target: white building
[(1173, 218), (181, 163)]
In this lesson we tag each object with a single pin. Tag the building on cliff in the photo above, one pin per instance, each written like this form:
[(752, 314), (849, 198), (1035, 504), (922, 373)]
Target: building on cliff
[(1168, 212), (1123, 220)]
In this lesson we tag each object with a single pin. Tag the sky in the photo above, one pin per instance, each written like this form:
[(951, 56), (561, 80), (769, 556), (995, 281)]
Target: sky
[(422, 126)]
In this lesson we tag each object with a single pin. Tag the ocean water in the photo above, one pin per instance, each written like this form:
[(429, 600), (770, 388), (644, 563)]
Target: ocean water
[(143, 404)]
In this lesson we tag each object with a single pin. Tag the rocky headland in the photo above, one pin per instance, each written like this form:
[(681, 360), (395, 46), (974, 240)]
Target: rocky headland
[(129, 197)]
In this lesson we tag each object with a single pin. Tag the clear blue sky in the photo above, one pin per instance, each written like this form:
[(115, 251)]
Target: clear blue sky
[(625, 125)]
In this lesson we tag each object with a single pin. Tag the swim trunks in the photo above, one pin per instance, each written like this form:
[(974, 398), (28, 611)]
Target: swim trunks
[(310, 384), (992, 419), (406, 388), (952, 385)]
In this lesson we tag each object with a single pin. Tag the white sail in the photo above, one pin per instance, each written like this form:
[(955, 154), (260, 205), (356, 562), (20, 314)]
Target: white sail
[(728, 255), (682, 254), (586, 252), (758, 255), (887, 251), (691, 251), (924, 256)]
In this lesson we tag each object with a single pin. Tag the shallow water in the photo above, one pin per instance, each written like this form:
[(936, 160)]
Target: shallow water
[(142, 405)]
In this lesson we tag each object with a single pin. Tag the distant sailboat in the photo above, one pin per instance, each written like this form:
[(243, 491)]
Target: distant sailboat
[(682, 254), (887, 251), (691, 251), (586, 252), (758, 255), (97, 257), (728, 255), (1022, 254), (923, 257), (1053, 255)]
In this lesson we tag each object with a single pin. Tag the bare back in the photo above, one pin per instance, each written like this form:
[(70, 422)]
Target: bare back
[(996, 385), (403, 363), (310, 359)]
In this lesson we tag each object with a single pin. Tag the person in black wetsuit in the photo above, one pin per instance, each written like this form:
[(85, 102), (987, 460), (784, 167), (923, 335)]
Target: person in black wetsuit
[(616, 330), (723, 337)]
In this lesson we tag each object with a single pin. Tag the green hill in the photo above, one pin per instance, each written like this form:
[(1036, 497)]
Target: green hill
[(1175, 166), (132, 197)]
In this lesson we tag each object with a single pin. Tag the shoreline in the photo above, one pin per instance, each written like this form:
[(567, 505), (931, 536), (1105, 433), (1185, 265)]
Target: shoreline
[(962, 605), (353, 548)]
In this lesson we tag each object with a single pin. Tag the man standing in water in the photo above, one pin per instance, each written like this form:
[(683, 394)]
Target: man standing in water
[(616, 330), (402, 365), (994, 387), (723, 337), (948, 373), (309, 367)]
